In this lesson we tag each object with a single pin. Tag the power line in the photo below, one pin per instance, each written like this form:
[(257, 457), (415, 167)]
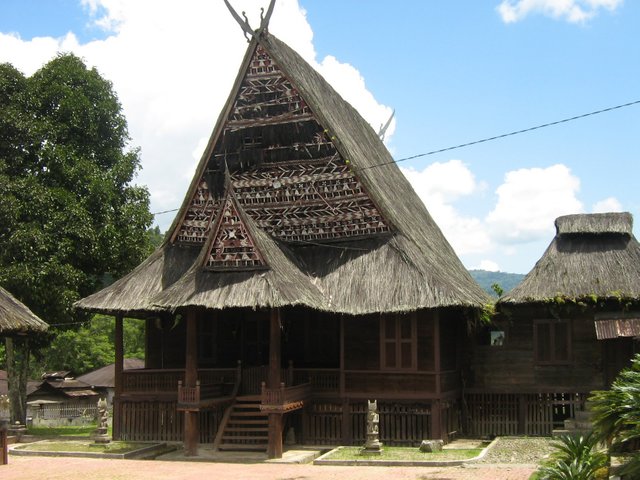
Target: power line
[(484, 140), (496, 137)]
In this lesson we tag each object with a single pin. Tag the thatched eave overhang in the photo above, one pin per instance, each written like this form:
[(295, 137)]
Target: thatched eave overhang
[(16, 318)]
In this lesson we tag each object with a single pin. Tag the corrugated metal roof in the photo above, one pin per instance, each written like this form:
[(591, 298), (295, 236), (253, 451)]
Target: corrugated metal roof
[(619, 327)]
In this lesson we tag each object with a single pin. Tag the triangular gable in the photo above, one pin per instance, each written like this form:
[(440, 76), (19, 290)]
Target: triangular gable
[(233, 247), (285, 170)]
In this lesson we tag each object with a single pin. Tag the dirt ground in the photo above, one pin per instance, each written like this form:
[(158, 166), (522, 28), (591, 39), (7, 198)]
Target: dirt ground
[(59, 468)]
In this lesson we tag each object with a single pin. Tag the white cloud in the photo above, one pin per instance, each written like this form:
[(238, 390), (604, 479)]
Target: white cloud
[(438, 186), (530, 200), (172, 65), (574, 11), (610, 204), (488, 265)]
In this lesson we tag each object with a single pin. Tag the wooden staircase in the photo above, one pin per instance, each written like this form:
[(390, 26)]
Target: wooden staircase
[(244, 426)]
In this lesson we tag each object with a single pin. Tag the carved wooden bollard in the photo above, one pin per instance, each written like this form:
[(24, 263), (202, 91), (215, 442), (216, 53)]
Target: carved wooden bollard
[(372, 446)]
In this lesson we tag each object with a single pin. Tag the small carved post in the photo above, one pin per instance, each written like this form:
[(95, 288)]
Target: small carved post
[(100, 434), (372, 446)]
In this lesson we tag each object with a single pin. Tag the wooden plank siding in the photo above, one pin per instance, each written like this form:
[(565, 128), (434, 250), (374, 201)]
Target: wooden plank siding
[(512, 366)]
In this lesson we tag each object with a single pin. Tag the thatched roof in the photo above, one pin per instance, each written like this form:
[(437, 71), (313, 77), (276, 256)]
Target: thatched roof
[(402, 263), (133, 294), (592, 255), (16, 318)]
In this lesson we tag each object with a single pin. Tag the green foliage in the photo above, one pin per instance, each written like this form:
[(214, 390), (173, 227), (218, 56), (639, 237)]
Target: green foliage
[(155, 237), (68, 210), (91, 346), (497, 289), (616, 414), (487, 279), (575, 458)]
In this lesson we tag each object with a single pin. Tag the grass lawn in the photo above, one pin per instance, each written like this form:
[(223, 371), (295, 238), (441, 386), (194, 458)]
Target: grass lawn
[(404, 453), (82, 446)]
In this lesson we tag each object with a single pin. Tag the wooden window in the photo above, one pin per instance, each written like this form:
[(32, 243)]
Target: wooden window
[(398, 342), (552, 341)]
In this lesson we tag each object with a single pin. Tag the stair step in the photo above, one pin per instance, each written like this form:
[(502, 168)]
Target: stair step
[(246, 429), (243, 446), (246, 406), (230, 438), (249, 398), (256, 421), (249, 414)]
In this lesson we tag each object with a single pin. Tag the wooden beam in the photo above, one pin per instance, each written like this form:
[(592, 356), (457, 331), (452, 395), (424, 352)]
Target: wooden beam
[(436, 420), (274, 348), (191, 433), (274, 447), (117, 379)]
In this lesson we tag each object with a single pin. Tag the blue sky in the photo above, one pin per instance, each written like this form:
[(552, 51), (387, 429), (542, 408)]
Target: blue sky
[(454, 72)]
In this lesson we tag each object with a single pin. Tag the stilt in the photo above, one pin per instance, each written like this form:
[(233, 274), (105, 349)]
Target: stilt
[(191, 427)]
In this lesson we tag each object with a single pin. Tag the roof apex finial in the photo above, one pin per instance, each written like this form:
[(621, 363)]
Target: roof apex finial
[(244, 23)]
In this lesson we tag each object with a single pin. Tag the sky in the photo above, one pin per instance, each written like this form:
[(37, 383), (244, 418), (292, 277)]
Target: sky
[(453, 72)]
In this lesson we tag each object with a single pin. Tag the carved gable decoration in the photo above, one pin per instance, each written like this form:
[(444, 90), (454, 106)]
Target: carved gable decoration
[(233, 248), (285, 172)]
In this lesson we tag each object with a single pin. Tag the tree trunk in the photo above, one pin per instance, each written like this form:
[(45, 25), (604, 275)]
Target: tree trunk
[(18, 353)]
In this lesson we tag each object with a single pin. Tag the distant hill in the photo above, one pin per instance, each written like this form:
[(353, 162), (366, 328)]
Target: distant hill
[(486, 278)]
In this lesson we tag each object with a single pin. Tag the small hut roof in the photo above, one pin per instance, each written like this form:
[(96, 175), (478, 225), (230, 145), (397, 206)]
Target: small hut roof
[(16, 318), (591, 255), (105, 376)]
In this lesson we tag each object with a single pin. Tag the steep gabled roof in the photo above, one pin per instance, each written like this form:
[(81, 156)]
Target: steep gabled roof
[(16, 318), (592, 255), (338, 224)]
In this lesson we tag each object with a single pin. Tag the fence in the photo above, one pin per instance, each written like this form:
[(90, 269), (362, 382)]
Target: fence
[(60, 414), (490, 414)]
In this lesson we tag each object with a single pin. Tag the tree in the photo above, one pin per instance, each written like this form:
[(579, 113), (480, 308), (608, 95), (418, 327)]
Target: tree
[(69, 213), (616, 416), (92, 346)]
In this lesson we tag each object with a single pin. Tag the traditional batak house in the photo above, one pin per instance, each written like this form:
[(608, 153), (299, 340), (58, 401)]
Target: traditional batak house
[(567, 329), (301, 277)]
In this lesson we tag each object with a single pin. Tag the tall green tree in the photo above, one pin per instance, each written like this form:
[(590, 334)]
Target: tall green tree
[(69, 211)]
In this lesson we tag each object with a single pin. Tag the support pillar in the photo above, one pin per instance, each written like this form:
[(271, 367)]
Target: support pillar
[(191, 424), (274, 447), (117, 378)]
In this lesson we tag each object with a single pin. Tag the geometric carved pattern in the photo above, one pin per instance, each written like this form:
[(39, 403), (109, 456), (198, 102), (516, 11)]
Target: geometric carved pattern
[(265, 96), (232, 247), (197, 220), (284, 170), (308, 202)]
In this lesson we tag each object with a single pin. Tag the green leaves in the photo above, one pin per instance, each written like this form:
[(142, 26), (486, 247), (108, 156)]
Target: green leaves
[(69, 213), (575, 458)]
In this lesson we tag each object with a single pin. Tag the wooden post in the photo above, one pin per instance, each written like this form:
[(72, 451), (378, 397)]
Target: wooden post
[(522, 414), (436, 407), (191, 433), (342, 366), (117, 378), (436, 420), (274, 448)]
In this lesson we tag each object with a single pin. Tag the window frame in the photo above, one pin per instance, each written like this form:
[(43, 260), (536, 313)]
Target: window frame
[(552, 323), (398, 341)]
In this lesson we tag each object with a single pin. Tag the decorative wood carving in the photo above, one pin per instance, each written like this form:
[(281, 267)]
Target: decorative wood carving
[(233, 248)]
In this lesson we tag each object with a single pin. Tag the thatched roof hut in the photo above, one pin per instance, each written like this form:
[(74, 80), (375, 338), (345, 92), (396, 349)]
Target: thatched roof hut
[(296, 201), (16, 318), (593, 256)]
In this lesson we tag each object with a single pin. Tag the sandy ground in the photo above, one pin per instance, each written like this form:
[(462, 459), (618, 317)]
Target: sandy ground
[(54, 468)]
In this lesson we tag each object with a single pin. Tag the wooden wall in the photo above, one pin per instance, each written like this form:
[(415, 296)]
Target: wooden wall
[(512, 367)]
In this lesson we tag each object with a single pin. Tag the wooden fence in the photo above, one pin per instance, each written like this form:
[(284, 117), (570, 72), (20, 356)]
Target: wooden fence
[(400, 423), (536, 414), (161, 421)]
